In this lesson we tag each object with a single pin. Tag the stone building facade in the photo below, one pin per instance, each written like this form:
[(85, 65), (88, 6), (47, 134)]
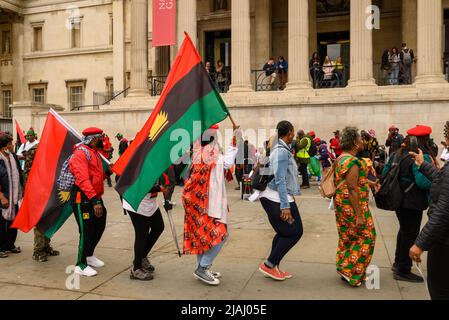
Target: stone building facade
[(93, 60)]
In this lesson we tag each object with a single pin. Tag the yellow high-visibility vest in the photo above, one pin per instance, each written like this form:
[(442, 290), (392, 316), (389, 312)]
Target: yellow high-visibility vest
[(304, 153)]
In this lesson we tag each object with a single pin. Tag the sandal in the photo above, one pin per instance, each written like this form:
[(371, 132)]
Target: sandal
[(3, 255)]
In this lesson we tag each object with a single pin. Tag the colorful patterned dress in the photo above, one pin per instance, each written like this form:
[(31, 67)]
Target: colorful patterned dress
[(356, 245), (201, 232)]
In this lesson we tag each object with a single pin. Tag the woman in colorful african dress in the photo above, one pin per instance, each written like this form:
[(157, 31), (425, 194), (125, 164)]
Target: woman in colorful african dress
[(356, 231), (205, 204)]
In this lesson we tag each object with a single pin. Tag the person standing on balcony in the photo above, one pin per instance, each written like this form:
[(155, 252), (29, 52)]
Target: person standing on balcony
[(221, 77), (385, 66), (315, 68), (270, 71), (394, 60), (407, 59), (328, 69), (338, 71), (282, 67)]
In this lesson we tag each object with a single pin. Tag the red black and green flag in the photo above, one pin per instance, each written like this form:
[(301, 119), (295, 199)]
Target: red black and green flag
[(20, 136), (44, 206), (189, 96)]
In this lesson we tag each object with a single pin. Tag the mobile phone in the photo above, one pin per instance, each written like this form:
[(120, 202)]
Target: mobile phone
[(413, 146)]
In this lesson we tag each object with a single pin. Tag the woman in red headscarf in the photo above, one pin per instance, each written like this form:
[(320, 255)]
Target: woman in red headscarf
[(205, 204)]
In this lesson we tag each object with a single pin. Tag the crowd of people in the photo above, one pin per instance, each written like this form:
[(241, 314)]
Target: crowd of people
[(396, 66), (355, 158)]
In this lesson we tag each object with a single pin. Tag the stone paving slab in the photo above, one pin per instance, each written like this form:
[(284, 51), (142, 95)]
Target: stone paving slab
[(312, 261)]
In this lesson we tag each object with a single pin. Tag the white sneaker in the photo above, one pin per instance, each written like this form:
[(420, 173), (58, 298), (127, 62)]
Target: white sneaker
[(88, 271), (95, 262)]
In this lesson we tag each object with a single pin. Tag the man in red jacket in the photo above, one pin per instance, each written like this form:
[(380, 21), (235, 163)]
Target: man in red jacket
[(87, 168)]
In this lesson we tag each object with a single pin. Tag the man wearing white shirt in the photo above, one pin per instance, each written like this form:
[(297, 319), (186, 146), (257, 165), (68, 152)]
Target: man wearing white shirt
[(30, 143)]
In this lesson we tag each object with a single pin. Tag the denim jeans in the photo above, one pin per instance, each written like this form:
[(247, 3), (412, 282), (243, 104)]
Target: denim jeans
[(207, 258), (287, 235)]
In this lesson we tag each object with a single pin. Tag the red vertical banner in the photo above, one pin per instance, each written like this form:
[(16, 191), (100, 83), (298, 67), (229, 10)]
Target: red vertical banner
[(164, 23)]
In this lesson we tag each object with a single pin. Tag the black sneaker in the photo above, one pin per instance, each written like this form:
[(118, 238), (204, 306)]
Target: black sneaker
[(408, 277), (394, 268)]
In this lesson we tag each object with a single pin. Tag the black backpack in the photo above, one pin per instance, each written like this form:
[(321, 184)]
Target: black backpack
[(390, 195), (262, 174), (312, 150)]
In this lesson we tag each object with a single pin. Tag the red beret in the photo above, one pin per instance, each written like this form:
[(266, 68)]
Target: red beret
[(92, 131), (420, 131), (316, 140), (215, 127), (312, 133)]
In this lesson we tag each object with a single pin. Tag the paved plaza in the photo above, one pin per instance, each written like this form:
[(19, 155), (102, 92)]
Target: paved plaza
[(311, 261)]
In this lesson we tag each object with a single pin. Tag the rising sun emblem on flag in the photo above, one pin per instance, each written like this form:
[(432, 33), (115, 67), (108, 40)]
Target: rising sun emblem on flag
[(159, 124)]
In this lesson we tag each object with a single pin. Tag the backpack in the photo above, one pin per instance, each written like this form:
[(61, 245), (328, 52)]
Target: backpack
[(390, 195), (262, 175), (66, 179), (328, 189), (312, 150), (407, 57)]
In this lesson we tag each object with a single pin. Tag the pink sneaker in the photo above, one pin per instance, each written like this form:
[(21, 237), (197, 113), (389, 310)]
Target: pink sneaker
[(287, 275), (272, 273)]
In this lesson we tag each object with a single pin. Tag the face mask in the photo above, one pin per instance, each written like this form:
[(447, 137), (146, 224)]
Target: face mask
[(99, 144)]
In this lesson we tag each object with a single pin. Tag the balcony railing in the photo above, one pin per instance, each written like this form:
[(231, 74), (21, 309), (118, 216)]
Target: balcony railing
[(333, 76), (266, 80), (387, 76)]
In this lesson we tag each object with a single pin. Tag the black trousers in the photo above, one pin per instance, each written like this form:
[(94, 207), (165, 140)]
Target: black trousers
[(8, 236), (409, 227), (147, 231), (305, 174), (287, 235), (91, 229), (437, 270)]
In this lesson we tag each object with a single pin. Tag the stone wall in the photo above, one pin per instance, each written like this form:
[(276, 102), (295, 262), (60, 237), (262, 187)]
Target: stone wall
[(317, 115)]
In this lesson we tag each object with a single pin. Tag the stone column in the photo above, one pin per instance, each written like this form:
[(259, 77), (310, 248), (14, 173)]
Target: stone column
[(187, 20), (118, 45), (313, 36), (430, 51), (139, 49), (361, 46), (241, 46), (263, 32), (298, 44), (409, 21), (19, 85)]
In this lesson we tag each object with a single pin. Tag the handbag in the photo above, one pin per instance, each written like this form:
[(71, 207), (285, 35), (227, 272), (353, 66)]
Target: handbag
[(328, 189)]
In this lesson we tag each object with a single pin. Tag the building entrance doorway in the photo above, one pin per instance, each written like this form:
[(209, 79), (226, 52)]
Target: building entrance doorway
[(218, 47), (335, 45)]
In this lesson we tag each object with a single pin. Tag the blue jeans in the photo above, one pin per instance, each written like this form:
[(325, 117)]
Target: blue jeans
[(394, 76), (207, 258)]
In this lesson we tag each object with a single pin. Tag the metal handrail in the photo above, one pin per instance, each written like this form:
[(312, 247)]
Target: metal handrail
[(337, 79), (124, 92)]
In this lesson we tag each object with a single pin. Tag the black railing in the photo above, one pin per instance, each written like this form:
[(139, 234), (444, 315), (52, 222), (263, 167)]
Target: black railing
[(156, 85), (222, 80), (392, 75), (266, 80), (104, 98), (332, 76)]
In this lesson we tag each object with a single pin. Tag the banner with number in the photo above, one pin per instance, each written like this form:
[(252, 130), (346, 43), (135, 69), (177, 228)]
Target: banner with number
[(164, 23)]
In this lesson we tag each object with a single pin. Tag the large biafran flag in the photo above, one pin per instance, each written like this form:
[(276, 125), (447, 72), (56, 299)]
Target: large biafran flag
[(44, 205), (189, 96)]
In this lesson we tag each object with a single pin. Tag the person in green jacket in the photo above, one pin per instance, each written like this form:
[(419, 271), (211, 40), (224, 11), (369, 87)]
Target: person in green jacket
[(303, 144)]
